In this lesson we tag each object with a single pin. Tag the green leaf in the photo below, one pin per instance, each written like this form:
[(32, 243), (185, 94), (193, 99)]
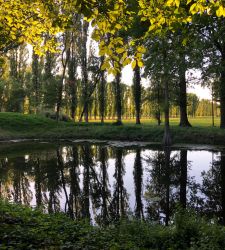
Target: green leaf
[(120, 50), (134, 63)]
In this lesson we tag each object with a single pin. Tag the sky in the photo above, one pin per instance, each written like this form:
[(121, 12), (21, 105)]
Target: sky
[(202, 93), (127, 78)]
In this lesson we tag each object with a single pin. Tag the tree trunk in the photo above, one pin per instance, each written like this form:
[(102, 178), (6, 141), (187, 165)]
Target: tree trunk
[(102, 95), (86, 103), (167, 141), (213, 120), (222, 93), (66, 54), (183, 94), (137, 93), (84, 68), (118, 99), (59, 94), (35, 80), (72, 71), (158, 112), (73, 99), (159, 117)]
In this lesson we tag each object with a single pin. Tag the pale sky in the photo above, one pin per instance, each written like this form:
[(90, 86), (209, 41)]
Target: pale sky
[(202, 93), (127, 78)]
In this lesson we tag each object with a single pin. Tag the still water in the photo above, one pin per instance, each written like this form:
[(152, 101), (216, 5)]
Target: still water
[(104, 183)]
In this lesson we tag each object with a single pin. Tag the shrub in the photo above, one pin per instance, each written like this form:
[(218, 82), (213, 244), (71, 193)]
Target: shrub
[(25, 228)]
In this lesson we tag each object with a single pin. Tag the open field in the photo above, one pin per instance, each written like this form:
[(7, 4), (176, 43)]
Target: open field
[(196, 122), (18, 126)]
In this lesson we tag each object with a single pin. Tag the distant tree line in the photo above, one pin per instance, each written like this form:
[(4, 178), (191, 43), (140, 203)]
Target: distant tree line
[(33, 84)]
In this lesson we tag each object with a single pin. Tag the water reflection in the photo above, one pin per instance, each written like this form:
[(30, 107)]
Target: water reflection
[(213, 187), (162, 184), (104, 184), (138, 183)]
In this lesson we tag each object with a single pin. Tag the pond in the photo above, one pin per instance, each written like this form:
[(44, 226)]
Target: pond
[(104, 182)]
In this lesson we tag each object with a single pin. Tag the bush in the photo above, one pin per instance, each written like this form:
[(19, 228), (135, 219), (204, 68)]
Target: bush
[(25, 228)]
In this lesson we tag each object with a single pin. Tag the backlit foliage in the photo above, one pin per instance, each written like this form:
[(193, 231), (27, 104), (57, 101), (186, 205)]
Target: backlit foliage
[(28, 21)]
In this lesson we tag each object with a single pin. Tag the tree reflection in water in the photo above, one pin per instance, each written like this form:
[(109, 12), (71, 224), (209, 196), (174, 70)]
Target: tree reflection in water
[(138, 184), (91, 181), (213, 189), (119, 203)]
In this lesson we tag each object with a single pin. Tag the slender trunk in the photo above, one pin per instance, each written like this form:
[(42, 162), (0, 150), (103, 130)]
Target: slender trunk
[(60, 92), (95, 103), (222, 93), (84, 68), (137, 93), (86, 114), (66, 54), (213, 120), (35, 80), (48, 75), (72, 71), (167, 141), (88, 98), (73, 99), (158, 115), (102, 95), (118, 99), (183, 93)]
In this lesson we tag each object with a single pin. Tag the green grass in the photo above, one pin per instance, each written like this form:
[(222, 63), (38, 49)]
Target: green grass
[(19, 126), (197, 121), (25, 228)]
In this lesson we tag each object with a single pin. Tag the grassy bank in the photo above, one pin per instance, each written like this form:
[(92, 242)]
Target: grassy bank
[(18, 126), (23, 228)]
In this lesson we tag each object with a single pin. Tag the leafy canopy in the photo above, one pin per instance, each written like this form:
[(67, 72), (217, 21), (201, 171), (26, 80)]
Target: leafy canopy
[(28, 21)]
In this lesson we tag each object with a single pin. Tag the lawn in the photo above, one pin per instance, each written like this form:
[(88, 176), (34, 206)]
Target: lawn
[(196, 121), (19, 126)]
